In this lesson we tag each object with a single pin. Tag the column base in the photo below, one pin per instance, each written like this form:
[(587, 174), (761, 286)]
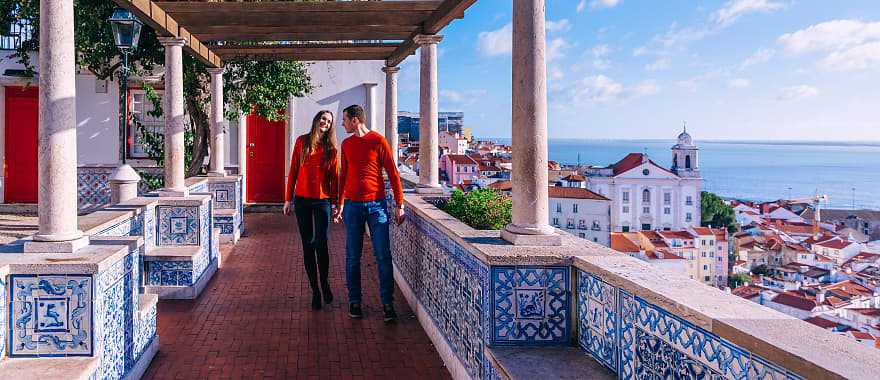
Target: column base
[(531, 236), (429, 189), (45, 246), (165, 192)]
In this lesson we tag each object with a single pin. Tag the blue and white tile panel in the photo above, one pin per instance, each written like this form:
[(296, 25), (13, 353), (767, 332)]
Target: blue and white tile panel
[(451, 284), (178, 225), (50, 315), (93, 187), (225, 194), (145, 331), (226, 224), (4, 311), (639, 340), (530, 305)]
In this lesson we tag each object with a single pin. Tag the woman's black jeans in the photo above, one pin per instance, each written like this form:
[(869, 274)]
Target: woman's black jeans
[(313, 218)]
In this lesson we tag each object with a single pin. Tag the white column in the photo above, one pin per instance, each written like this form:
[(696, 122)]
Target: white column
[(242, 149), (391, 109), (429, 149), (57, 197), (290, 135), (370, 106), (174, 118), (217, 166), (530, 224)]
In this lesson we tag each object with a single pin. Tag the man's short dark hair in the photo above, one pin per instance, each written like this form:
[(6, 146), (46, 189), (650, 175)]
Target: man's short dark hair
[(355, 111)]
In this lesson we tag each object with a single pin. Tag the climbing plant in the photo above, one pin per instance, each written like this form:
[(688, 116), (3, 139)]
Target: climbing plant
[(260, 87)]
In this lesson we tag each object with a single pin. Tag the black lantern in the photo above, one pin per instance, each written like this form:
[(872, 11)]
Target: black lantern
[(126, 29)]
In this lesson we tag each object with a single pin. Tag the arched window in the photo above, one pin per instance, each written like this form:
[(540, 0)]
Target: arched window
[(646, 196), (675, 160), (687, 162)]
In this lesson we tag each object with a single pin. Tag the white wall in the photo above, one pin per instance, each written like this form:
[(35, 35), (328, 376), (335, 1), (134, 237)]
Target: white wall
[(97, 122)]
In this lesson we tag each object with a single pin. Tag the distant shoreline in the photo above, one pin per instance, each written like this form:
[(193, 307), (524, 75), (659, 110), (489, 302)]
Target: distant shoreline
[(506, 140)]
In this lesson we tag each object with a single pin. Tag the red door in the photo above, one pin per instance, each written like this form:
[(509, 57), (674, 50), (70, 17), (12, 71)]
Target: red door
[(265, 160), (22, 115)]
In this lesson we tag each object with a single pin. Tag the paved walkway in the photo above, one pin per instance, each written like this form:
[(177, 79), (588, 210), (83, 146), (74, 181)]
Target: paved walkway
[(254, 321)]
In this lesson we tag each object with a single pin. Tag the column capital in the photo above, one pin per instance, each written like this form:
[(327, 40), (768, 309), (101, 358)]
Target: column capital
[(427, 39), (172, 41), (391, 69), (216, 70)]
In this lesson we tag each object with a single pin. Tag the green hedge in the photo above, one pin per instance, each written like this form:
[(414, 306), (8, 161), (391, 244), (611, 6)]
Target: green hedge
[(483, 209)]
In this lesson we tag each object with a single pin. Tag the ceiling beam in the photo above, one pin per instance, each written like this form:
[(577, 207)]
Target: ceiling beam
[(448, 11), (300, 33), (203, 7), (165, 25), (308, 52), (351, 20)]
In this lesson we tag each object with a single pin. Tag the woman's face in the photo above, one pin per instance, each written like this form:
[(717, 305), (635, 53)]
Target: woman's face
[(325, 122)]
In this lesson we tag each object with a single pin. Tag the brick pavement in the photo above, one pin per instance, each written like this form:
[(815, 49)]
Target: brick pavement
[(254, 320)]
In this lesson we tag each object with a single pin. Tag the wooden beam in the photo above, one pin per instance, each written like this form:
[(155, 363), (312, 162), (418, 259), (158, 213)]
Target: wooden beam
[(166, 25), (202, 8), (300, 33), (308, 52), (316, 20), (406, 49), (448, 11)]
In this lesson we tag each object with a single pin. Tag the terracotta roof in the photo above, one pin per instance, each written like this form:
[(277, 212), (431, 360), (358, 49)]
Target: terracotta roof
[(747, 291), (662, 254), (835, 244), (796, 301), (620, 242), (720, 234), (861, 335), (460, 159), (574, 193), (676, 234), (867, 312), (631, 161), (501, 185), (739, 262), (822, 322), (574, 178), (489, 168), (704, 231)]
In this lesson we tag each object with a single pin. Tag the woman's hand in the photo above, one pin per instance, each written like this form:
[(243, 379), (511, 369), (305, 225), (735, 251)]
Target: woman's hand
[(287, 208), (337, 214)]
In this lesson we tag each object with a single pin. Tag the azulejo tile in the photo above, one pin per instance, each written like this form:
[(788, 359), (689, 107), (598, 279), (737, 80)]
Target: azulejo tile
[(93, 187), (224, 194), (530, 305), (597, 310), (51, 315), (178, 225)]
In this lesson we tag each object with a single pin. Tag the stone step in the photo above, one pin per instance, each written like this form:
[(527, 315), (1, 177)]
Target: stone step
[(49, 368)]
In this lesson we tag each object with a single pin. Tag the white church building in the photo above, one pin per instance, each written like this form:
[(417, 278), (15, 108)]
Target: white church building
[(648, 196)]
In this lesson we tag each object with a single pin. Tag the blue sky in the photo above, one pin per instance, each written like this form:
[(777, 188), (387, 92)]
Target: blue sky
[(631, 69)]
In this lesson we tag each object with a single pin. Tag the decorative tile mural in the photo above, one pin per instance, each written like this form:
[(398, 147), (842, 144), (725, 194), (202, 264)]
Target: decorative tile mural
[(93, 187), (597, 306), (145, 330), (225, 224), (450, 283), (170, 273), (225, 194), (639, 340), (51, 315), (178, 225), (530, 305), (129, 227)]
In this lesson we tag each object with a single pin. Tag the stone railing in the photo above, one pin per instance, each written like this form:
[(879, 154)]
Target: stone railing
[(489, 307)]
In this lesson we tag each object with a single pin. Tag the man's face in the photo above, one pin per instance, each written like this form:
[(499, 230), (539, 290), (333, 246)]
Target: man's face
[(348, 123)]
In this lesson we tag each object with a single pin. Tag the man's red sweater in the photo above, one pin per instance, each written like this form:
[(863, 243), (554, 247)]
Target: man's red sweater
[(360, 177)]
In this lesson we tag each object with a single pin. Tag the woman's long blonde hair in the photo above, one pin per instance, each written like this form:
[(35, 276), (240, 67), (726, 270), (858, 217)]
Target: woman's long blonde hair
[(326, 140)]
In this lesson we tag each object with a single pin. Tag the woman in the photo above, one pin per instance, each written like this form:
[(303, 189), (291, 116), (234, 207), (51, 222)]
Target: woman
[(314, 169)]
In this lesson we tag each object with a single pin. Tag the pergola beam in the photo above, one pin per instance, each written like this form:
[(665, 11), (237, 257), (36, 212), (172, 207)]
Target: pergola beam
[(301, 33), (309, 52), (202, 7), (165, 25), (447, 11)]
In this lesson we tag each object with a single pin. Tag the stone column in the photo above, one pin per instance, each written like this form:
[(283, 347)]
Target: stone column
[(242, 149), (529, 100), (124, 184), (391, 109), (429, 139), (217, 166), (57, 199), (174, 118), (370, 106)]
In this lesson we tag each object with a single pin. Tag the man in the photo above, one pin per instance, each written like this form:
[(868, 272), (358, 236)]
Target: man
[(362, 201)]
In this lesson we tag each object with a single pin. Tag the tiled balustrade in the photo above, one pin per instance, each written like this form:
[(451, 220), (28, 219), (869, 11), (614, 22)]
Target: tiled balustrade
[(474, 294), (87, 306), (93, 184)]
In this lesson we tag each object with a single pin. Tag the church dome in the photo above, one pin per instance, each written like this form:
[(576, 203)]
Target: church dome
[(685, 138)]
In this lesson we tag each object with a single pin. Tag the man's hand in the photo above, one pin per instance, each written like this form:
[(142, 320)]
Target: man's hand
[(400, 216), (337, 214), (287, 208)]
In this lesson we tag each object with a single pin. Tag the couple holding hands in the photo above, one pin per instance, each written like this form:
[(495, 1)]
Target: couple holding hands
[(347, 185)]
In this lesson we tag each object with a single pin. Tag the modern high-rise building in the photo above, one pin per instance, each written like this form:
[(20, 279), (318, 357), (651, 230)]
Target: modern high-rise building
[(408, 122)]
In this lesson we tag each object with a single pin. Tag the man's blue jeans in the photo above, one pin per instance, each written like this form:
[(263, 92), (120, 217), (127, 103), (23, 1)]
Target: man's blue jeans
[(375, 215)]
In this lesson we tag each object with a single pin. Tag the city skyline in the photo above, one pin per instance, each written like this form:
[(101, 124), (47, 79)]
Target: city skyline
[(625, 69)]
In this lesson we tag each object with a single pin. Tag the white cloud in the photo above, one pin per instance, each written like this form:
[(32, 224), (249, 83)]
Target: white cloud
[(799, 92), (556, 73), (602, 64), (830, 36), (760, 56), (599, 4), (645, 88), (599, 88), (734, 9), (581, 6), (462, 98), (496, 42), (558, 26), (739, 83), (660, 64), (556, 49), (849, 44), (600, 52)]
